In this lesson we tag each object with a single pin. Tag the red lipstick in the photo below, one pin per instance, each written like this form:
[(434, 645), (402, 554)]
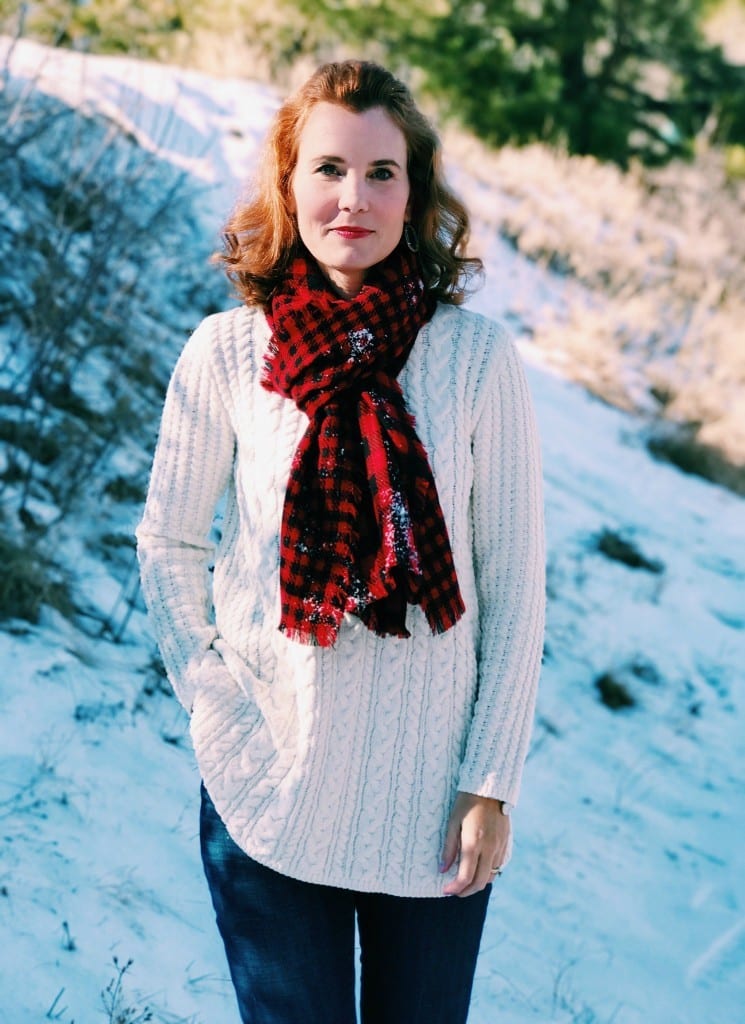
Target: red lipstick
[(351, 232)]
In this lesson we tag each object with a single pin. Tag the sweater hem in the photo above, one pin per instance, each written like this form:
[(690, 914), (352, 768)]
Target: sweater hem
[(365, 883)]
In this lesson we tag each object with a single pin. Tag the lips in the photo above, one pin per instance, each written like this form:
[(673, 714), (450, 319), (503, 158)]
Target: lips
[(352, 232)]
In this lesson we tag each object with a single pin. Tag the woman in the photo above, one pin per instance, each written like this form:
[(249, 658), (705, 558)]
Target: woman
[(361, 704)]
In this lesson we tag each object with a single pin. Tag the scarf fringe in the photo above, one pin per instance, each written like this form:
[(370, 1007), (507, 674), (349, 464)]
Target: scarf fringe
[(326, 635)]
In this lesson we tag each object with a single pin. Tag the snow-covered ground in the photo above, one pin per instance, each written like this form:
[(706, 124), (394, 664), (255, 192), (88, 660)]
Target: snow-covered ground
[(625, 900)]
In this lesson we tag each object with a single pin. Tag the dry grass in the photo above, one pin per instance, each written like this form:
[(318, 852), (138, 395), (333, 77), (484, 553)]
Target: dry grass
[(657, 326)]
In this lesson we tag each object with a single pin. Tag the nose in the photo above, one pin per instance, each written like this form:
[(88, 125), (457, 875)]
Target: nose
[(353, 194)]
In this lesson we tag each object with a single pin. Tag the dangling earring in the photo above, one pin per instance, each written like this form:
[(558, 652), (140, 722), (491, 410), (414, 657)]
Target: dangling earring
[(410, 237)]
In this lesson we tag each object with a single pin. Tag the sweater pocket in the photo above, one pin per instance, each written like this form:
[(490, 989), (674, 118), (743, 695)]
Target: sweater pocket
[(247, 681)]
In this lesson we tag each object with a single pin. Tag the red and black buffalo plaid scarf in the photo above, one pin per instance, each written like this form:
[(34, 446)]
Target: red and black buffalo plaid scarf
[(362, 527)]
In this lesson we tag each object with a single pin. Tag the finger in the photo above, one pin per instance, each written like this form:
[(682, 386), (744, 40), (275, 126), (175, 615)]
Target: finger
[(469, 860), (451, 845), (482, 876), (501, 851), (499, 855)]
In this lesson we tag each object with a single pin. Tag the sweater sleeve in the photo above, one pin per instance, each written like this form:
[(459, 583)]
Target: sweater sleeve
[(509, 560), (191, 469)]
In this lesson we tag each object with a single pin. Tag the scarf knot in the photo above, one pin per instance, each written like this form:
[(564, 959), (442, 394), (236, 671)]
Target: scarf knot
[(362, 527)]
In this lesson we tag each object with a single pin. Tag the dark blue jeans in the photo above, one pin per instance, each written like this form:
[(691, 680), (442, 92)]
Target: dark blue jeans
[(290, 944)]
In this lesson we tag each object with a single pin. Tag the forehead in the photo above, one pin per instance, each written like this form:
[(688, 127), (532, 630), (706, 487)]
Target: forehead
[(332, 130)]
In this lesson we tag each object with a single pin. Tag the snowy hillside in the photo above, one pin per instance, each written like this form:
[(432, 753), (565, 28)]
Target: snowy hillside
[(625, 900)]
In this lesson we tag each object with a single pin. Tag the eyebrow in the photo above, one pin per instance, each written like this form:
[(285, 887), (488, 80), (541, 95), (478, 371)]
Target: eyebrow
[(385, 162)]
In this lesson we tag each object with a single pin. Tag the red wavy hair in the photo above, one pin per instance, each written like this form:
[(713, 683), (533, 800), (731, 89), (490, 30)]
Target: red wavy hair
[(261, 235)]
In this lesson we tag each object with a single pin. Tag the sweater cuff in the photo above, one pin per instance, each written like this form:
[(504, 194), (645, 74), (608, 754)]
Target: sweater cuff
[(488, 786), (199, 673)]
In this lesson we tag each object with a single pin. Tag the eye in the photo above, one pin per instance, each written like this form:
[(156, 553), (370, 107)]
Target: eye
[(382, 174), (328, 170)]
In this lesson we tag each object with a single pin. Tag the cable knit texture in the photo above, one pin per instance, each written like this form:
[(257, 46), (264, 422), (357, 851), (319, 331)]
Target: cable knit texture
[(339, 765)]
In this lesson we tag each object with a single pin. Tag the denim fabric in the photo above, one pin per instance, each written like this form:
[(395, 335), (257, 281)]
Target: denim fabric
[(290, 944)]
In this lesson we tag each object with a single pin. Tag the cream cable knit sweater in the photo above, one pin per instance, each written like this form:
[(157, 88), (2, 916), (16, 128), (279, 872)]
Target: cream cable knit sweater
[(340, 765)]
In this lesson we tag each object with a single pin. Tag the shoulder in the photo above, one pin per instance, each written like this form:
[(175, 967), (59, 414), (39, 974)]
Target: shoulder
[(227, 328), (223, 351), (476, 336), (478, 347), (224, 342)]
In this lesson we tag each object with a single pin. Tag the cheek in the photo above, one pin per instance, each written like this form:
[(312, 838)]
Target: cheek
[(303, 199), (308, 206), (297, 203), (398, 211)]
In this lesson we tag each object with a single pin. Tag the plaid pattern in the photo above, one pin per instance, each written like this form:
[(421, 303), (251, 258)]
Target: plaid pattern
[(362, 527)]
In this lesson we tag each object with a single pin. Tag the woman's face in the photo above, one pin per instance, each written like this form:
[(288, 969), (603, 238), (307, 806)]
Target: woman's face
[(350, 191)]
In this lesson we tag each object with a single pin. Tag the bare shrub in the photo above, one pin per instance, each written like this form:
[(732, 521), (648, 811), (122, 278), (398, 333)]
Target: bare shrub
[(100, 246), (116, 1005), (29, 581)]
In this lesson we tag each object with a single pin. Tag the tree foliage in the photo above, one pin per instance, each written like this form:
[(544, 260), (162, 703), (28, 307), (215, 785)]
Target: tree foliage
[(615, 78)]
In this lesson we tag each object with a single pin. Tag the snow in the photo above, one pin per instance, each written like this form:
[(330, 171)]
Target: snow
[(625, 899)]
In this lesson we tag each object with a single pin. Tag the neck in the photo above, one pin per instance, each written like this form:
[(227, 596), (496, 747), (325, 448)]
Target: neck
[(346, 285)]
